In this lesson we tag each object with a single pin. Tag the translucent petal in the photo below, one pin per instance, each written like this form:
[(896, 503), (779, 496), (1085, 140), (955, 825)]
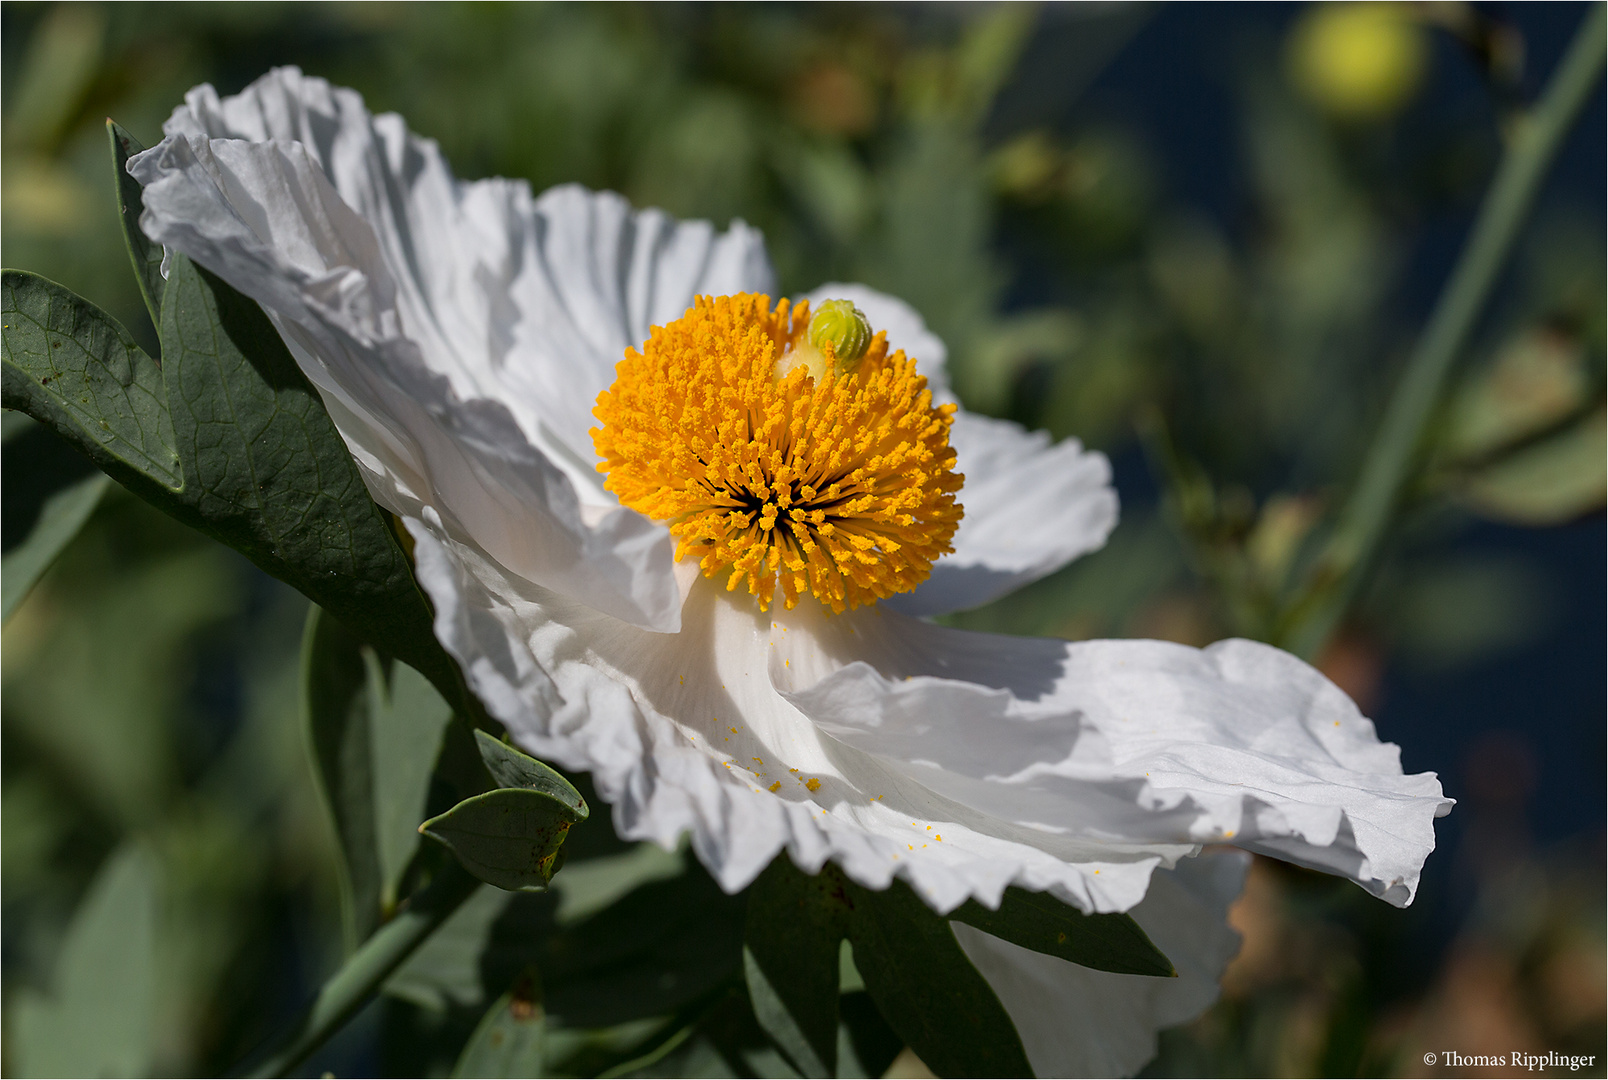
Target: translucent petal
[(1075, 1021)]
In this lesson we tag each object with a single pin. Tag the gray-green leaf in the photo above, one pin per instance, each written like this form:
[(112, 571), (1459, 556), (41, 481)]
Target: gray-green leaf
[(146, 256), (101, 1018), (68, 364), (50, 492), (508, 1040), (512, 768), (407, 719), (336, 709), (510, 837)]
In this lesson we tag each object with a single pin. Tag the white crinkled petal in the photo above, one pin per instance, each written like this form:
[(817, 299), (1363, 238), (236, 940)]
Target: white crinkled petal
[(528, 301), (1138, 742), (458, 332), (960, 762), (1075, 1021), (688, 733), (1031, 506)]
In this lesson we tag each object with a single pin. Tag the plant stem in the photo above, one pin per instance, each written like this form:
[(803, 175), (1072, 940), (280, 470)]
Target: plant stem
[(348, 989), (1366, 517)]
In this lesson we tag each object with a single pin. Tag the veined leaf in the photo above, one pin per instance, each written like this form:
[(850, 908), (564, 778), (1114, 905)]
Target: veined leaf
[(509, 837), (512, 768), (266, 472), (70, 365), (247, 454), (1042, 923)]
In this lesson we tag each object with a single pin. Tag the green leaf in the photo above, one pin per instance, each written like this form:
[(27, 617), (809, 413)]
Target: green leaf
[(512, 768), (508, 1040), (509, 837), (1042, 923), (407, 720), (70, 365), (101, 1018), (446, 971), (267, 473), (247, 453), (790, 960), (927, 989), (336, 677), (49, 493), (146, 256)]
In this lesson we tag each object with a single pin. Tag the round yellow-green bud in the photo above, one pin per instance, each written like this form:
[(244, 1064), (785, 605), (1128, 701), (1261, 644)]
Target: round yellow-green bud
[(846, 327), (1359, 61)]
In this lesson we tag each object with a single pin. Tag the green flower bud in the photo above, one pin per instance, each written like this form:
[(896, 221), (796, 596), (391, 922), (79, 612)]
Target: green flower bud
[(846, 327)]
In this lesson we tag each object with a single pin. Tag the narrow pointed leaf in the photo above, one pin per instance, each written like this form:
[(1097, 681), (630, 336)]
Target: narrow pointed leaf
[(928, 990), (101, 1016), (1042, 923), (336, 710), (407, 721), (790, 960), (508, 1040), (49, 493), (146, 256), (510, 837)]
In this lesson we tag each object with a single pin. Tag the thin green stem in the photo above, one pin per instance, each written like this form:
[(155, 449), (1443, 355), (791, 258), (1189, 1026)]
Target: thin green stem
[(1366, 517), (348, 989)]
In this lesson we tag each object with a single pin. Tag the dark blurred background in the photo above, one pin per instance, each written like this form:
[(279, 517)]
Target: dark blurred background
[(1202, 238)]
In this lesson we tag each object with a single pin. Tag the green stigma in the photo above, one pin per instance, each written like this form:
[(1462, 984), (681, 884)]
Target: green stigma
[(846, 327)]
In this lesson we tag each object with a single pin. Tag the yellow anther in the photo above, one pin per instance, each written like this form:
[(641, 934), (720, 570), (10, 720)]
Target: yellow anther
[(840, 484)]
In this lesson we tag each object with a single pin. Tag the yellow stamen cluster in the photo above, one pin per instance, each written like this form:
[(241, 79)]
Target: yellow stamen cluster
[(837, 484)]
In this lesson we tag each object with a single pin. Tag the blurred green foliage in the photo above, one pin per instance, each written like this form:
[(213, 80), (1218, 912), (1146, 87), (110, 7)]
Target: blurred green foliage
[(150, 746)]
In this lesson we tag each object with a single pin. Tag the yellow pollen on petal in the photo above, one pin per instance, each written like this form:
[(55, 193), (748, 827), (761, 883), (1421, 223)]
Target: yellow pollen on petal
[(813, 784), (837, 483)]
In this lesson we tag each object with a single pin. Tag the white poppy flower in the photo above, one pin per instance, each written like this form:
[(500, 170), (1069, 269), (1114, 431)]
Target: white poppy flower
[(461, 334)]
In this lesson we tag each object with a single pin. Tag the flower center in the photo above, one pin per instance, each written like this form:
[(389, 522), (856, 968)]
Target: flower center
[(774, 463)]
